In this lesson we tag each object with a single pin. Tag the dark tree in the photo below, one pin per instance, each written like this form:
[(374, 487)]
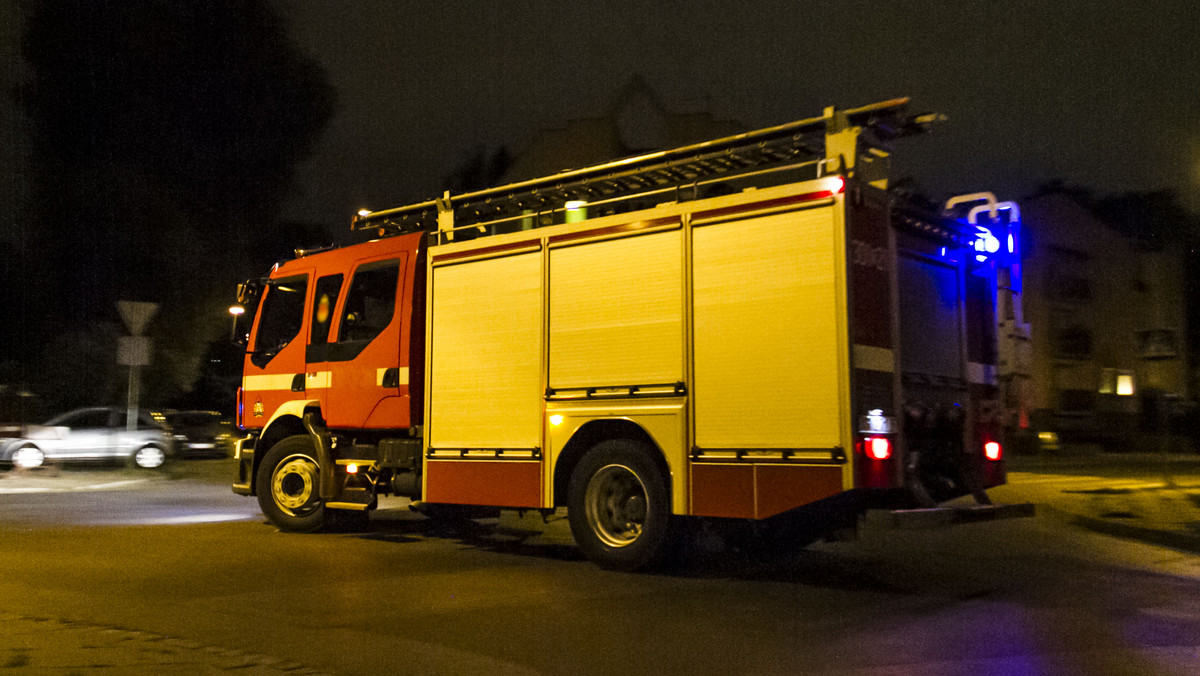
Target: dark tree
[(165, 131)]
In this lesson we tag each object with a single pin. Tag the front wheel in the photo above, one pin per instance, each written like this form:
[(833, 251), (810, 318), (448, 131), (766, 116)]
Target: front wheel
[(619, 506), (288, 486), (28, 457)]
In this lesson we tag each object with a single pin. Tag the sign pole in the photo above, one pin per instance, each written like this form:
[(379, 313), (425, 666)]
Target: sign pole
[(134, 351)]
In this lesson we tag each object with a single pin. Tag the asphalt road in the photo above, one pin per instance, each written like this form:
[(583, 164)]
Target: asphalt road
[(178, 555)]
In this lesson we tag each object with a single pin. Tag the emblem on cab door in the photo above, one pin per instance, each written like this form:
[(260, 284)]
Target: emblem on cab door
[(258, 409)]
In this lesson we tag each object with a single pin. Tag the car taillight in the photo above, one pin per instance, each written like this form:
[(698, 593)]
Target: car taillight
[(992, 450), (878, 448)]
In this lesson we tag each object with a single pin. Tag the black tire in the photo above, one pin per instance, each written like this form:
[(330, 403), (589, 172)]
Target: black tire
[(148, 457), (619, 507), (288, 486)]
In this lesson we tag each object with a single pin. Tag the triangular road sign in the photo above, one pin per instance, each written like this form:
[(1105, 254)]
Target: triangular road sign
[(136, 315)]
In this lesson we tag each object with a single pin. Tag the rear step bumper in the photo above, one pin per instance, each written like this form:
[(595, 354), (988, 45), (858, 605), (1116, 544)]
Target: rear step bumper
[(938, 517)]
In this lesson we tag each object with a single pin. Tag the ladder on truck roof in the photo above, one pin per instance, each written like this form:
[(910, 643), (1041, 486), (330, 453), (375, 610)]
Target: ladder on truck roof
[(680, 174)]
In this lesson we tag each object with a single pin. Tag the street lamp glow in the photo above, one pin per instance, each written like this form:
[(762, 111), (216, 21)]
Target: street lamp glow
[(364, 212), (236, 310)]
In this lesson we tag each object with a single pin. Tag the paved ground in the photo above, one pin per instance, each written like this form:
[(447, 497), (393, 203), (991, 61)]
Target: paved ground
[(1151, 498)]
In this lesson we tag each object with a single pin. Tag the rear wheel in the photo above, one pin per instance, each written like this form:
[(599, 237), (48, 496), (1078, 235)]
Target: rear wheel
[(619, 507), (288, 486), (148, 457)]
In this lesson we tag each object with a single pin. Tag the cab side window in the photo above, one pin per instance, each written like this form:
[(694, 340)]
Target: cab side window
[(370, 303), (326, 295), (281, 317)]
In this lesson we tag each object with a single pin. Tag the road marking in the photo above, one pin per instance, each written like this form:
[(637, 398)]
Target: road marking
[(195, 518), (55, 489)]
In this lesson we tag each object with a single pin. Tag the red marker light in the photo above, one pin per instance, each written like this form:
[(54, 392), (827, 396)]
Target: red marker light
[(991, 450), (879, 448), (839, 185)]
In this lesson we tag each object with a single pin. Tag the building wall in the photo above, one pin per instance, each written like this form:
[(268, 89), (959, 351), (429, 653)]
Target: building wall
[(1106, 319)]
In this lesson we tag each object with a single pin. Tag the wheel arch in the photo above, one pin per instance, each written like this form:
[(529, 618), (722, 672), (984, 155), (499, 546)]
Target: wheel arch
[(287, 421), (10, 453), (9, 450), (595, 432)]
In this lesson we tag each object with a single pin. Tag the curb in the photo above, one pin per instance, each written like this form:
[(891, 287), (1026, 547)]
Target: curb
[(1154, 536)]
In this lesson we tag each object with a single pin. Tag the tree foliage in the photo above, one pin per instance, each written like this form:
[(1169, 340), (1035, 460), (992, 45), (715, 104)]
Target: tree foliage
[(208, 97), (163, 133)]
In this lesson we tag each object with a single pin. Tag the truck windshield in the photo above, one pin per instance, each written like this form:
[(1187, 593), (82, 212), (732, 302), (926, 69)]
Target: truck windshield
[(281, 316)]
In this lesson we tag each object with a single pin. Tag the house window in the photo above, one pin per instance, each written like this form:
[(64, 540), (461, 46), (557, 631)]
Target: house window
[(1116, 381), (1069, 280), (1074, 342), (1125, 384)]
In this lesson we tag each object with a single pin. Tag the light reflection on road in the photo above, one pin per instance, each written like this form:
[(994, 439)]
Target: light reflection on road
[(187, 493)]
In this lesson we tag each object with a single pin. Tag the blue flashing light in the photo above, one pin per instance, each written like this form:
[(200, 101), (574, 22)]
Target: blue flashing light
[(985, 241)]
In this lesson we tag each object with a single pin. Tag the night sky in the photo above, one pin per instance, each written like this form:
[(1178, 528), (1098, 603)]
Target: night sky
[(1104, 94), (1101, 93)]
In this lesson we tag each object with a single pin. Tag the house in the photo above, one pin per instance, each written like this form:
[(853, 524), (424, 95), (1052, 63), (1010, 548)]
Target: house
[(637, 122), (1107, 313)]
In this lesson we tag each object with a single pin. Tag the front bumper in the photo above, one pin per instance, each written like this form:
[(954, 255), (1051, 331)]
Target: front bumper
[(243, 452)]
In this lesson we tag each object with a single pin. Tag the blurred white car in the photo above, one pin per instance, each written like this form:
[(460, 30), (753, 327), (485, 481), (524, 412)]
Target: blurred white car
[(91, 434)]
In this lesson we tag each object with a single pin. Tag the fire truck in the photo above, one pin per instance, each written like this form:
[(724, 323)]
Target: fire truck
[(751, 329)]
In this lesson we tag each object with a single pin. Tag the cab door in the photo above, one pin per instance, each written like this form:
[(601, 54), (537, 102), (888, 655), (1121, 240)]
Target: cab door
[(319, 377), (364, 359), (274, 369)]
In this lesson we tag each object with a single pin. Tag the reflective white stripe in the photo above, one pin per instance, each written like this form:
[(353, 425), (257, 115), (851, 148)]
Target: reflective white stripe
[(318, 381), (268, 382), (874, 358), (403, 376), (981, 374)]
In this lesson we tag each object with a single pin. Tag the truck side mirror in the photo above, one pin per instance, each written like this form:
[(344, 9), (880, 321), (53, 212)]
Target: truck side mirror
[(239, 332)]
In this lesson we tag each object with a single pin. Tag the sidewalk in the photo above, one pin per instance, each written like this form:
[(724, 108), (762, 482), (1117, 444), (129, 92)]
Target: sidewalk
[(1152, 498), (41, 645)]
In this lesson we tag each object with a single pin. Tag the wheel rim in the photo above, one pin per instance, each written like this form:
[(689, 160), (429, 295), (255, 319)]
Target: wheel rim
[(616, 505), (149, 457), (28, 458), (293, 486)]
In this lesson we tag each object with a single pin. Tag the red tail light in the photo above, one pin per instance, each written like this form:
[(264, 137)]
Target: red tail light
[(878, 448), (992, 450)]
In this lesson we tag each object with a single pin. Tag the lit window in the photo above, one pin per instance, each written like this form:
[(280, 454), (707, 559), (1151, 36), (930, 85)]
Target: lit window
[(1125, 384), (1114, 381)]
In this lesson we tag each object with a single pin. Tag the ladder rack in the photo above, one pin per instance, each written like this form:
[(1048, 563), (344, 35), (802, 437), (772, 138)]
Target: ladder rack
[(678, 174)]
